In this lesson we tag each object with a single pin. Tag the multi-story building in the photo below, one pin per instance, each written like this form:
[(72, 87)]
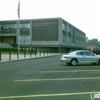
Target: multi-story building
[(44, 34)]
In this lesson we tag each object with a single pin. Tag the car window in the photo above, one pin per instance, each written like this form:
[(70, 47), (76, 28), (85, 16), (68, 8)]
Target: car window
[(96, 49), (79, 53), (88, 54), (71, 53)]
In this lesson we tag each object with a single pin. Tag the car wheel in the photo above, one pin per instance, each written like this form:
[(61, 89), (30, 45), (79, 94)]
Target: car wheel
[(73, 62), (99, 62)]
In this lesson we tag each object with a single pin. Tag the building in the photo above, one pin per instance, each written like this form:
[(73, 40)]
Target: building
[(45, 34)]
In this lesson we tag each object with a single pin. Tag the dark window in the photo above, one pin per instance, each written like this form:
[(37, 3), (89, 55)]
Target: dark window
[(64, 33), (87, 54), (69, 34), (1, 28), (96, 48), (79, 53)]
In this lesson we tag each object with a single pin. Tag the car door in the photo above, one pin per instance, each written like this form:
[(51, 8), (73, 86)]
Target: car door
[(80, 57), (89, 57)]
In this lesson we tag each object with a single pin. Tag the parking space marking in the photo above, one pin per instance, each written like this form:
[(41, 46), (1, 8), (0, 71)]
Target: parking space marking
[(57, 79), (69, 71), (75, 66), (45, 95)]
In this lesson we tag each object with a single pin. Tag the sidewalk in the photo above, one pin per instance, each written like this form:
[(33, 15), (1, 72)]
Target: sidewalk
[(13, 57)]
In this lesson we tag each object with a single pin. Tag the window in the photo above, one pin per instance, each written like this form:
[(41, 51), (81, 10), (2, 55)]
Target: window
[(96, 48), (8, 27), (25, 38), (79, 53), (64, 33), (88, 54), (68, 29), (26, 25), (69, 34), (1, 28), (64, 26)]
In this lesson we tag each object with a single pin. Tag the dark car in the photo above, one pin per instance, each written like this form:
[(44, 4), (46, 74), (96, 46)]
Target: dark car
[(95, 50)]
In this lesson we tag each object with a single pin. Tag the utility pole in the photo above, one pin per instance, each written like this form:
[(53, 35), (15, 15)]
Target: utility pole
[(18, 27), (19, 36)]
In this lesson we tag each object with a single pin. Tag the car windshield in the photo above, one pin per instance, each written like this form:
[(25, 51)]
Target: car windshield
[(73, 52)]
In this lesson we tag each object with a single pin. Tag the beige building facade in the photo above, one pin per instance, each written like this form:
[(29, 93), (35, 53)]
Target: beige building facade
[(45, 34)]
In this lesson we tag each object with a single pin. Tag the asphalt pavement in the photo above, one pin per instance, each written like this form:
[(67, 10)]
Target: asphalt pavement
[(47, 79)]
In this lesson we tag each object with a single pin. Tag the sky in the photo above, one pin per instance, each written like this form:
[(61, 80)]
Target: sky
[(83, 14)]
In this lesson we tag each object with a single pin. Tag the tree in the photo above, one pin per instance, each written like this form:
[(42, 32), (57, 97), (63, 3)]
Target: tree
[(94, 42)]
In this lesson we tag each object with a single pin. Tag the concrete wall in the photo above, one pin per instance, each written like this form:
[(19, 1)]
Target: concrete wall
[(74, 32), (49, 32)]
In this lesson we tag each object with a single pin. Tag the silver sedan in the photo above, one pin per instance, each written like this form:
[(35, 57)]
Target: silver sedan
[(80, 57)]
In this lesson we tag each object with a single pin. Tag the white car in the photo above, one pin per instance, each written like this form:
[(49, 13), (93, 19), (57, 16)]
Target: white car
[(80, 57)]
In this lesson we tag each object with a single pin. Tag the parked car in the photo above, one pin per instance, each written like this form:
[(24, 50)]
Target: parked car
[(95, 50), (80, 57)]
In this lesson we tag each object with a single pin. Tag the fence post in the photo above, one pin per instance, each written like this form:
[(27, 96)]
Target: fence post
[(51, 52), (10, 55), (35, 53), (17, 55), (44, 53), (25, 54), (47, 53), (0, 56), (40, 53), (30, 54)]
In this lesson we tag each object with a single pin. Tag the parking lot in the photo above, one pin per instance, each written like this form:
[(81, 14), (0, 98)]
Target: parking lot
[(47, 79)]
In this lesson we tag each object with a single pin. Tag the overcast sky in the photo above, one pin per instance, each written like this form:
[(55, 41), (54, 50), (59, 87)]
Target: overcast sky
[(83, 14)]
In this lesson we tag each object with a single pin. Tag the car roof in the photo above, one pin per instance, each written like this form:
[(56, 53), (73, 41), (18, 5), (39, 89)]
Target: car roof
[(97, 48), (80, 51), (74, 52)]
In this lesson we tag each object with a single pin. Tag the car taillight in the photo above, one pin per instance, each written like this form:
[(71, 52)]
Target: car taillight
[(65, 56)]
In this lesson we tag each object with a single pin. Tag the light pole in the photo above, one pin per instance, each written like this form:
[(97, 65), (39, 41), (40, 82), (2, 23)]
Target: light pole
[(18, 27), (19, 36)]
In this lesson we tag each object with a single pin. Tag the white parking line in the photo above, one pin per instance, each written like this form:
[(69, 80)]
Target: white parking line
[(57, 79), (69, 71), (75, 66), (45, 95)]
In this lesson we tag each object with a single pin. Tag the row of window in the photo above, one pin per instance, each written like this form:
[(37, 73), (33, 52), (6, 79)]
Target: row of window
[(77, 38), (24, 38), (80, 39), (65, 28), (14, 26)]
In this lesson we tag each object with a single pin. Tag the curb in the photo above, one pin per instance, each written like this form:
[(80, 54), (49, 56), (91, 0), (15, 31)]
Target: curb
[(27, 58)]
